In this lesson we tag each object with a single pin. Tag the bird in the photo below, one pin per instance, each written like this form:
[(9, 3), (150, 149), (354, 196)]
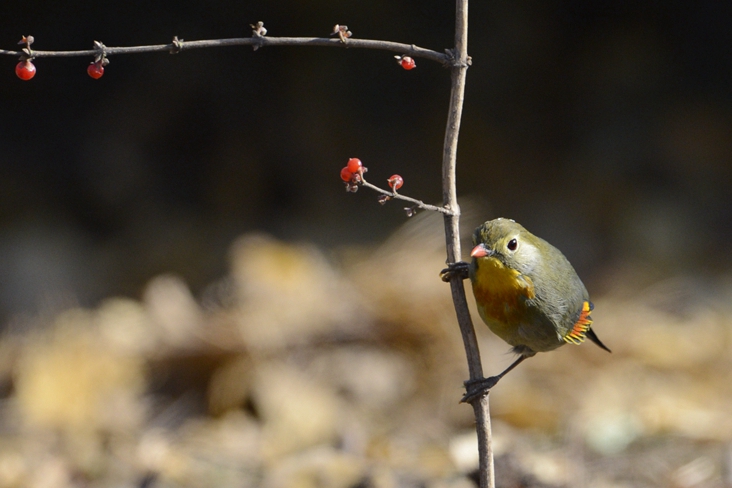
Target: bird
[(526, 292)]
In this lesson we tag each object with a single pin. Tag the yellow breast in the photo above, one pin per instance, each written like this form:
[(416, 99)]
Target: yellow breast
[(501, 294)]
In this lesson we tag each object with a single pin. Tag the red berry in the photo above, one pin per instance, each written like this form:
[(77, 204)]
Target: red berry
[(346, 174), (407, 63), (95, 70), (395, 182), (354, 165), (25, 70)]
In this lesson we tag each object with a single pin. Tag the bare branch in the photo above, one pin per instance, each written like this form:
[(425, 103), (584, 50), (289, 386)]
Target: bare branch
[(398, 196), (409, 49), (460, 64)]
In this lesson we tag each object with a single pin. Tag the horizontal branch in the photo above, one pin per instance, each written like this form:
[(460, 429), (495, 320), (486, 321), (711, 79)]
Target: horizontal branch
[(174, 47), (397, 196)]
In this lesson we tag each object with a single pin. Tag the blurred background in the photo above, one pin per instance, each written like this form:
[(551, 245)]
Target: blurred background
[(188, 296)]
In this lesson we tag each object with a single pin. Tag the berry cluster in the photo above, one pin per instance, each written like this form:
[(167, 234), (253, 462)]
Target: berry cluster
[(25, 69), (352, 174)]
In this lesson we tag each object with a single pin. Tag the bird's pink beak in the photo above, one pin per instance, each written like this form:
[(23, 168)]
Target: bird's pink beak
[(480, 251)]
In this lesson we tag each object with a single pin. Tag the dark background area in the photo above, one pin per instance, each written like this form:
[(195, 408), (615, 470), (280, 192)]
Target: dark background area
[(604, 127)]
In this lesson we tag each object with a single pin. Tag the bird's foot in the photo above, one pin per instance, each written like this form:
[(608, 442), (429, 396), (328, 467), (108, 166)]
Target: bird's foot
[(478, 388), (458, 270)]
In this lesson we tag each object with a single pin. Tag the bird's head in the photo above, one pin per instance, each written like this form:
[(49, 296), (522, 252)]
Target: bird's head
[(508, 242)]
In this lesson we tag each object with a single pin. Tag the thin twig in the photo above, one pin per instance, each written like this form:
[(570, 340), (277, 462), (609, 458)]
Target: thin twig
[(452, 237), (398, 196), (259, 42)]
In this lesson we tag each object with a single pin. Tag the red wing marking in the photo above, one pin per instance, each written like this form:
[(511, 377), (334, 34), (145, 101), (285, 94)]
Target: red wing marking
[(579, 330)]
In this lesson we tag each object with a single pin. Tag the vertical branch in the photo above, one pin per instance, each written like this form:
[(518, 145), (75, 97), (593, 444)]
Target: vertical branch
[(461, 61)]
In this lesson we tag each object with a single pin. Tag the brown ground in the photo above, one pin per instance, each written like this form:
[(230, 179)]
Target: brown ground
[(301, 370)]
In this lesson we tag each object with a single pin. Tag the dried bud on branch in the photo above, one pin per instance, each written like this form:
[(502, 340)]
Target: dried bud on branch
[(342, 32)]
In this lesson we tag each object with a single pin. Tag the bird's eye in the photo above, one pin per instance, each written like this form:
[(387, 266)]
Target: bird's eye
[(512, 245)]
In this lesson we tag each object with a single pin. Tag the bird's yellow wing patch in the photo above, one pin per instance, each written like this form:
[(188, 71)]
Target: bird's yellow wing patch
[(579, 330)]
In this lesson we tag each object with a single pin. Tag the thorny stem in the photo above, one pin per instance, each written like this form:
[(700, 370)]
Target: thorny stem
[(460, 64), (398, 196), (258, 42)]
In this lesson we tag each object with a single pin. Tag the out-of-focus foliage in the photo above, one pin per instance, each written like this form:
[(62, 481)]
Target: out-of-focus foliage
[(301, 369)]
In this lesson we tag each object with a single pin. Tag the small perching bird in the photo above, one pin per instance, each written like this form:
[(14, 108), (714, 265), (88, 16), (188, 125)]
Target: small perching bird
[(527, 293)]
